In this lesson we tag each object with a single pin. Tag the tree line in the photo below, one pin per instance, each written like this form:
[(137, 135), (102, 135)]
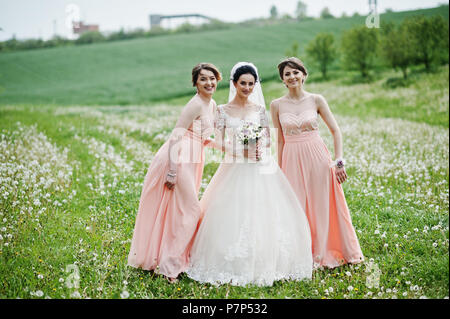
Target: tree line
[(416, 40), (301, 10), (97, 37)]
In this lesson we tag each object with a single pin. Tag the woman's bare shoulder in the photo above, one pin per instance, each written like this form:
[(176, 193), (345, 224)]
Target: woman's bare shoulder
[(194, 104), (276, 102), (319, 99)]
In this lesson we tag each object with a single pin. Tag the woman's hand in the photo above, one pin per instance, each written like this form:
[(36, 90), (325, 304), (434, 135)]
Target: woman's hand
[(341, 175), (171, 179)]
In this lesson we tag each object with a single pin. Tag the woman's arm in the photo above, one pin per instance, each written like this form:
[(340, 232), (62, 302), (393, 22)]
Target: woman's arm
[(188, 115), (219, 131), (330, 121), (265, 124), (274, 111), (209, 142)]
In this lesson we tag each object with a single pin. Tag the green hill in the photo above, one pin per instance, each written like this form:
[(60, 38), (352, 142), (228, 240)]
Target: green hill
[(151, 69)]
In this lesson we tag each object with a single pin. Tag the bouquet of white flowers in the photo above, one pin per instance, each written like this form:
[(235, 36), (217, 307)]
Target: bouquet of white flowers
[(249, 133)]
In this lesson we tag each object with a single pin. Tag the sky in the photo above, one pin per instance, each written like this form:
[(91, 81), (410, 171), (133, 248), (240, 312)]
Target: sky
[(45, 18)]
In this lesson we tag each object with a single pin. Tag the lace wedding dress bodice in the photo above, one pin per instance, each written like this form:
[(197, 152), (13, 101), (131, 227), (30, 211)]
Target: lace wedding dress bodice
[(226, 121), (231, 126)]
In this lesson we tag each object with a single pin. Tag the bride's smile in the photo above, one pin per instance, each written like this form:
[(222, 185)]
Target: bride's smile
[(245, 85)]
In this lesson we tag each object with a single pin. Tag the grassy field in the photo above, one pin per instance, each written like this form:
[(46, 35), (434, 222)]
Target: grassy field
[(71, 178), (136, 72)]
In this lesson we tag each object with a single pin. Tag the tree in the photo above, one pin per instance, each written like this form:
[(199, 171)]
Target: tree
[(429, 38), (300, 12), (273, 12), (11, 44), (359, 46), (286, 17), (30, 44), (119, 35), (323, 51), (57, 41), (326, 14), (396, 47)]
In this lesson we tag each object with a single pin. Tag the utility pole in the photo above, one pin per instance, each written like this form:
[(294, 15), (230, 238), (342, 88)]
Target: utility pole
[(373, 19), (373, 6), (54, 28)]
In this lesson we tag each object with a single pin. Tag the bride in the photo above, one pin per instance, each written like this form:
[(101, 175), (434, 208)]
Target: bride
[(253, 230)]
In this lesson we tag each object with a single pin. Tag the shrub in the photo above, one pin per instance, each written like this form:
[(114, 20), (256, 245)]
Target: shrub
[(90, 37)]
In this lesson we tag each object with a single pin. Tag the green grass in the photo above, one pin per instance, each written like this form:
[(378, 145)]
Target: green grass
[(397, 194), (140, 71)]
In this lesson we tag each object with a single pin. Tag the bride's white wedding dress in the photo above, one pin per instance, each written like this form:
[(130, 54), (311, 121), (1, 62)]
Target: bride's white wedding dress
[(254, 230)]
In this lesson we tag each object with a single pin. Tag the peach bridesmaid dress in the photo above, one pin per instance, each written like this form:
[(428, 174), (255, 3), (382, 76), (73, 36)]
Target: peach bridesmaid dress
[(167, 220), (307, 165)]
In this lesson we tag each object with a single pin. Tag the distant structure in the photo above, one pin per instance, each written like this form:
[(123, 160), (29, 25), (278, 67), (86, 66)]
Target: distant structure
[(373, 6), (156, 19), (80, 28)]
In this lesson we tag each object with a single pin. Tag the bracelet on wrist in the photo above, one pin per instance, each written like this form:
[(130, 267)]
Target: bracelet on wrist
[(172, 173), (339, 162)]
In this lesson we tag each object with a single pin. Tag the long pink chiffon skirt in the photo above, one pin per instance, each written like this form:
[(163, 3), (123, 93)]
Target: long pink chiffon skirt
[(306, 163), (167, 220)]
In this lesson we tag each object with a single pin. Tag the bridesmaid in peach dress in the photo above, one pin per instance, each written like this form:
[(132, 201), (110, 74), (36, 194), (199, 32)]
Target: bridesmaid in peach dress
[(169, 209), (314, 176)]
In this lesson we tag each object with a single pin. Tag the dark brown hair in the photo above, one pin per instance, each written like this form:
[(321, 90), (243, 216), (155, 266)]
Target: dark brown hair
[(205, 66), (294, 63)]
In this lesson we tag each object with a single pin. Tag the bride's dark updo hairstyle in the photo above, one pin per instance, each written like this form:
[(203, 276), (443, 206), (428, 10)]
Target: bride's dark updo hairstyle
[(244, 70)]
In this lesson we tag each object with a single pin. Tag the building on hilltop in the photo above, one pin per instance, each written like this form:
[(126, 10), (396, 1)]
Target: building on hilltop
[(156, 20), (80, 28)]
